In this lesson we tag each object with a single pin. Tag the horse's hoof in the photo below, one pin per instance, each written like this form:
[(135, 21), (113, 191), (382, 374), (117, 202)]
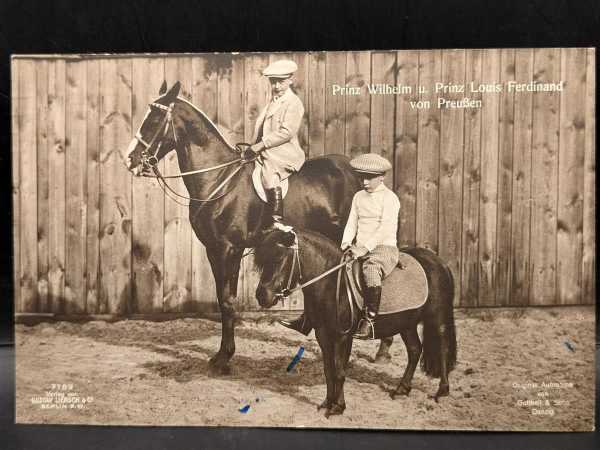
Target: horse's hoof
[(217, 367), (402, 389), (335, 410)]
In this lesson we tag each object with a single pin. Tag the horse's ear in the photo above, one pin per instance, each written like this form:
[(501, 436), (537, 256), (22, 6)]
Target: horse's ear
[(173, 92), (163, 88)]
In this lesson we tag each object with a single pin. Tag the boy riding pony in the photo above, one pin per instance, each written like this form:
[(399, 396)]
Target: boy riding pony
[(370, 233)]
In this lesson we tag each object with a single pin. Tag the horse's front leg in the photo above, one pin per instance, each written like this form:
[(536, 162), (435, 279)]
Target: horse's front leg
[(342, 348), (327, 349), (225, 263)]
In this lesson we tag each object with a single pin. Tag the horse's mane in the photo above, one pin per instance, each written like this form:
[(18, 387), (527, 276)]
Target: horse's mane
[(209, 123)]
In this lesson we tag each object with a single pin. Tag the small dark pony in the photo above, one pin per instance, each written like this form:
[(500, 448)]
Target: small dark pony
[(330, 316)]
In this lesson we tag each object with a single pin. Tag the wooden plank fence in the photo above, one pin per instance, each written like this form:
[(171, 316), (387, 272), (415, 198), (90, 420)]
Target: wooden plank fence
[(504, 193)]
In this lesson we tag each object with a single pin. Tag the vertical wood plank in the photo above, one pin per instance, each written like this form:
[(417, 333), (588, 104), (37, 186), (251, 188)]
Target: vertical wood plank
[(230, 93), (380, 125), (570, 176), (335, 105), (28, 149), (147, 211), (505, 176), (358, 109), (589, 185), (115, 230), (43, 206), (256, 91), (302, 90), (489, 181), (204, 94), (428, 152), (178, 233), (16, 122), (405, 160), (92, 257), (451, 166), (76, 212), (316, 104), (469, 279), (57, 187), (521, 187), (544, 183)]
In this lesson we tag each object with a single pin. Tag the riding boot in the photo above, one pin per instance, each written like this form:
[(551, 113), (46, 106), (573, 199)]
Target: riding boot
[(275, 201), (301, 324), (277, 205), (366, 329)]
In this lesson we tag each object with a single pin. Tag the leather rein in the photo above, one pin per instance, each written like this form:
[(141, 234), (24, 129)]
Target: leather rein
[(286, 292), (149, 160)]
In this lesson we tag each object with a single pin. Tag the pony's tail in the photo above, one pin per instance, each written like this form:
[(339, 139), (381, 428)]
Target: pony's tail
[(438, 331)]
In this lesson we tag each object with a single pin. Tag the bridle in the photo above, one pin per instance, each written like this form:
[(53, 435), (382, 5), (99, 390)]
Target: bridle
[(287, 291), (149, 159)]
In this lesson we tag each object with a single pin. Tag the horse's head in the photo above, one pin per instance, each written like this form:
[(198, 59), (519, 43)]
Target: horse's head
[(156, 134), (276, 258)]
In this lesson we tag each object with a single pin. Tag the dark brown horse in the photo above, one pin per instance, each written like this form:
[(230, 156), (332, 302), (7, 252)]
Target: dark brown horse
[(275, 257), (225, 213)]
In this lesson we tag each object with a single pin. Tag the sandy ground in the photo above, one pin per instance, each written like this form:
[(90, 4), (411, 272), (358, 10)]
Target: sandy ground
[(156, 373)]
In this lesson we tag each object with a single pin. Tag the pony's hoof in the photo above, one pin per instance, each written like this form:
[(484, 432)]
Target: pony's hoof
[(335, 410), (325, 405), (402, 389), (443, 391)]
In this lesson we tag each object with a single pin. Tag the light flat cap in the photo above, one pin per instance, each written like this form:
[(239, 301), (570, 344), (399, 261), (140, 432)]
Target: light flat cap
[(370, 163), (280, 69)]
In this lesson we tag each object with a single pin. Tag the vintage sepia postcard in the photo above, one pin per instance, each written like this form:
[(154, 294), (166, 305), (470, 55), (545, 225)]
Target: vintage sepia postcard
[(366, 239)]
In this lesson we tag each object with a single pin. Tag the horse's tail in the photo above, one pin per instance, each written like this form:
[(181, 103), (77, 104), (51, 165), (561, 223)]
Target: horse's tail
[(439, 332)]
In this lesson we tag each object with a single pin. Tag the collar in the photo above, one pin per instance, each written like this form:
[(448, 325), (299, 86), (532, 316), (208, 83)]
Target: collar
[(282, 96), (381, 187)]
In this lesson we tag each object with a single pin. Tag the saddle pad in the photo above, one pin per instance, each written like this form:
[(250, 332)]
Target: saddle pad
[(258, 187), (403, 289)]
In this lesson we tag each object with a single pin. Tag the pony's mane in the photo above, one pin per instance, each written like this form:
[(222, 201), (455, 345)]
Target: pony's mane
[(264, 254)]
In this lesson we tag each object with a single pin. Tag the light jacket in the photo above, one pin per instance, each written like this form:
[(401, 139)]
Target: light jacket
[(277, 127)]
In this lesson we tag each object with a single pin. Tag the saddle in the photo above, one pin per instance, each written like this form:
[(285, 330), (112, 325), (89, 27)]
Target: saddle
[(258, 187), (403, 289)]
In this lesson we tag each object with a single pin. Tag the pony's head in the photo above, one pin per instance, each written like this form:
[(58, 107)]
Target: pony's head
[(276, 258), (156, 134)]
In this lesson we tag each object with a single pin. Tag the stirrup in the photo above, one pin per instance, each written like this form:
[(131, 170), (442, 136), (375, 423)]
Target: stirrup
[(371, 326)]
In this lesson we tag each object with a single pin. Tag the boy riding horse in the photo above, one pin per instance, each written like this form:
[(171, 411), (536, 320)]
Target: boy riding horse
[(276, 135), (369, 233)]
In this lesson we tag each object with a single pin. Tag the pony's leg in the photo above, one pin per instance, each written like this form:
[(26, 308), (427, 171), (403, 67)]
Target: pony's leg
[(225, 263), (413, 348), (326, 344), (444, 386), (343, 346), (383, 353)]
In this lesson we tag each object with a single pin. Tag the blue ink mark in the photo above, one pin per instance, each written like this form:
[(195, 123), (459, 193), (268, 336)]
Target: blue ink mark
[(244, 409), (569, 346), (296, 359)]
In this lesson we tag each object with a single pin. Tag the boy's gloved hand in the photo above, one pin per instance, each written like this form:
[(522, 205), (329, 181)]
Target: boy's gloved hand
[(358, 250)]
